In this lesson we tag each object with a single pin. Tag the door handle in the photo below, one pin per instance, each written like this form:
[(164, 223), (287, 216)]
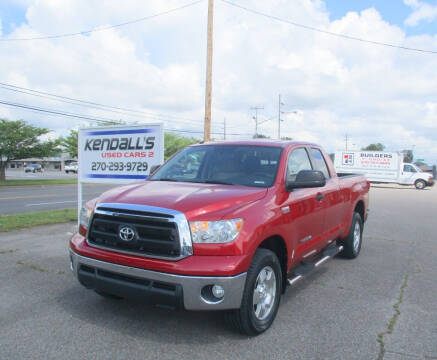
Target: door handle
[(320, 196)]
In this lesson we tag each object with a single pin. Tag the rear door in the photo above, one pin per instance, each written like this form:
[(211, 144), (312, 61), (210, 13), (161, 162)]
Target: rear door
[(303, 213), (330, 198)]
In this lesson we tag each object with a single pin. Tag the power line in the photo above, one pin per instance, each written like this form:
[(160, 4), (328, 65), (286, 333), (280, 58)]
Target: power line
[(98, 106), (97, 119), (85, 32), (349, 37), (56, 112)]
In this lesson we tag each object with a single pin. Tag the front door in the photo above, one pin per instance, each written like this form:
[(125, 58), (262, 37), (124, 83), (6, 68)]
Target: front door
[(303, 211), (407, 174)]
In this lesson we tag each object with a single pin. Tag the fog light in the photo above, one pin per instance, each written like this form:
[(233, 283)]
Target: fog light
[(218, 291)]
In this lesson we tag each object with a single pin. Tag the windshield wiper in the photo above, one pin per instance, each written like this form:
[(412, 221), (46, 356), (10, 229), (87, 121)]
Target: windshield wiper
[(217, 182), (166, 179)]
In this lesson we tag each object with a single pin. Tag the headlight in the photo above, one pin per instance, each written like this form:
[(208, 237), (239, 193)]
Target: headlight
[(85, 216), (217, 232)]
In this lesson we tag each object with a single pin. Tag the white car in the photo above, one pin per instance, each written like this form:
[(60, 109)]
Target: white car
[(71, 168)]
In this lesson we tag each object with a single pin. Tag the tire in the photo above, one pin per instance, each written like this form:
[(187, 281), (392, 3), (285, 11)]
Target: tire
[(66, 171), (263, 282), (420, 184), (107, 295), (352, 243)]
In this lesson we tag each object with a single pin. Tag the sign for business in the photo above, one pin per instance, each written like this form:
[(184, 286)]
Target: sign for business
[(119, 154), (376, 165), (365, 160)]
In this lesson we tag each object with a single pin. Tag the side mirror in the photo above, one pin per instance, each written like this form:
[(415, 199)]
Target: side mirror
[(154, 168), (307, 179)]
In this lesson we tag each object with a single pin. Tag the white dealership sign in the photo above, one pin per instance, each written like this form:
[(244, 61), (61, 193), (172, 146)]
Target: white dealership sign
[(119, 154)]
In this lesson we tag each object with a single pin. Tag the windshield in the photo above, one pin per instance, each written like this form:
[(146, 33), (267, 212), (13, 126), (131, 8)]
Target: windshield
[(223, 164)]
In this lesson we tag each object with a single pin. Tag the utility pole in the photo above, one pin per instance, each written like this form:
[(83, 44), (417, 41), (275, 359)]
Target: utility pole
[(279, 117), (256, 108), (208, 87), (224, 128), (346, 140)]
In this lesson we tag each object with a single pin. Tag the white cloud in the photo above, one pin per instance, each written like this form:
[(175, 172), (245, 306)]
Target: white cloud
[(421, 11), (338, 86)]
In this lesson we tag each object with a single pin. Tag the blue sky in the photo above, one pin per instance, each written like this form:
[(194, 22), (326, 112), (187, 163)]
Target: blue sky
[(393, 11), (11, 14)]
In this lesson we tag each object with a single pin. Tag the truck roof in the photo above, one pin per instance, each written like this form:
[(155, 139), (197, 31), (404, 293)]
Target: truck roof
[(258, 142)]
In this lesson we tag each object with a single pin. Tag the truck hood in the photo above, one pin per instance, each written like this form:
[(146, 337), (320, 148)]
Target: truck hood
[(196, 201)]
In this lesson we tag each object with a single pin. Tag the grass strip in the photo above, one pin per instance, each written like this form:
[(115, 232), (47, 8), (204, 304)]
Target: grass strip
[(25, 220), (38, 182)]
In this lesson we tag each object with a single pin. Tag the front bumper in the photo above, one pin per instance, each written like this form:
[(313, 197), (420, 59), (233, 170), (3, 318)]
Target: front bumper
[(189, 292)]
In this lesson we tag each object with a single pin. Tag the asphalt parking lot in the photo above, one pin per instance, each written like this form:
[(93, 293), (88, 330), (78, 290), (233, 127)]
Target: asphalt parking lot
[(382, 305)]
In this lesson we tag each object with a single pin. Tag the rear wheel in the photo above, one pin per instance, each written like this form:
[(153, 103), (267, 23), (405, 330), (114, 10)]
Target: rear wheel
[(261, 295), (352, 243), (420, 184)]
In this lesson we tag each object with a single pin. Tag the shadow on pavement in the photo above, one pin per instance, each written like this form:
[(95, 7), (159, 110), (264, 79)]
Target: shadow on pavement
[(398, 188)]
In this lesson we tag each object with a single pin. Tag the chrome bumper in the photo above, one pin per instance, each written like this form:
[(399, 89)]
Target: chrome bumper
[(191, 285)]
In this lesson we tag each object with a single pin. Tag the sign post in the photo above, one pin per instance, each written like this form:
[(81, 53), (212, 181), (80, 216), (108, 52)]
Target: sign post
[(118, 154)]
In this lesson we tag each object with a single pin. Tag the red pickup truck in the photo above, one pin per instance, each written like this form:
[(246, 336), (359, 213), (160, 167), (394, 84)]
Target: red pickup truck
[(222, 226)]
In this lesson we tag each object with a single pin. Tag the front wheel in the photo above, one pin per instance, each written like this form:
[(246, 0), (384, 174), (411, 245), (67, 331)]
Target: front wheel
[(261, 295), (420, 184)]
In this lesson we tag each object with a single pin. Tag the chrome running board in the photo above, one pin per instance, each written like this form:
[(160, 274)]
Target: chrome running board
[(307, 268)]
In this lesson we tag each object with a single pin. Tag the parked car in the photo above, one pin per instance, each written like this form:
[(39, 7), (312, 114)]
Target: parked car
[(382, 167), (228, 233), (71, 168), (33, 168)]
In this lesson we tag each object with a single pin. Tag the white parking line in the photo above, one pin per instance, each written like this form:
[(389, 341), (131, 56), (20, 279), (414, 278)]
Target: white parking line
[(55, 202)]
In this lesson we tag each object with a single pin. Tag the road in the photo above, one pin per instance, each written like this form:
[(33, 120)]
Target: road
[(381, 305), (18, 199), (19, 174)]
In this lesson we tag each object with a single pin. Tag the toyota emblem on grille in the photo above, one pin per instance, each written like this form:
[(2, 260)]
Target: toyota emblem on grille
[(126, 233)]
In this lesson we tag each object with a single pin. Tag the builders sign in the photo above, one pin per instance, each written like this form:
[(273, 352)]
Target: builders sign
[(119, 154), (367, 160)]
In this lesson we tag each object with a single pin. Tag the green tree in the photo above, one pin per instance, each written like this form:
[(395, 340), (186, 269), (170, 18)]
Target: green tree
[(18, 140), (174, 143), (408, 156), (69, 143), (261, 136), (374, 147)]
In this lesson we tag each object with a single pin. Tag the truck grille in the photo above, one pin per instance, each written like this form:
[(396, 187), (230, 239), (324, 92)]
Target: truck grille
[(131, 229)]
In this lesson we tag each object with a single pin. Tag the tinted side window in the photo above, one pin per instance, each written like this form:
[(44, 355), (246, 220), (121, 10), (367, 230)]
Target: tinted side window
[(409, 168), (319, 162), (297, 161)]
